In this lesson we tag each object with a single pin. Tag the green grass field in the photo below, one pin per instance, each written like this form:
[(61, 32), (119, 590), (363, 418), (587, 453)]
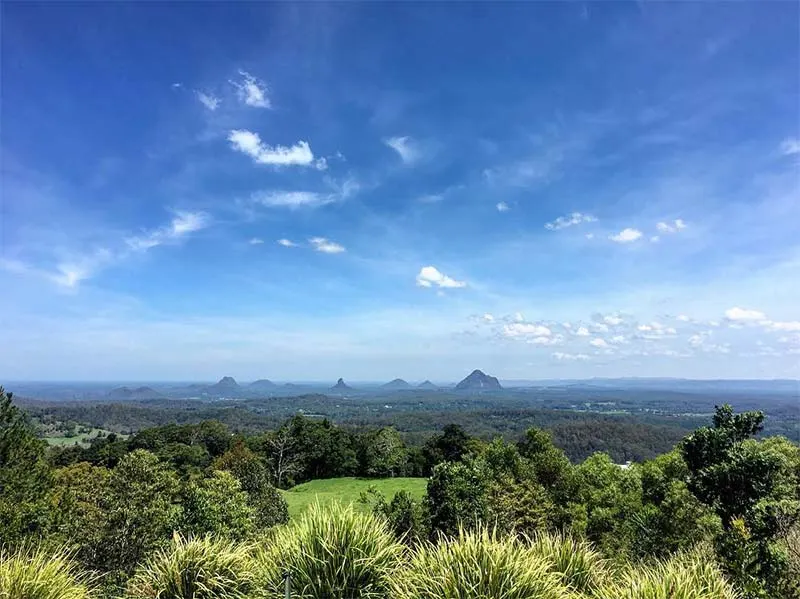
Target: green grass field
[(82, 439), (348, 490)]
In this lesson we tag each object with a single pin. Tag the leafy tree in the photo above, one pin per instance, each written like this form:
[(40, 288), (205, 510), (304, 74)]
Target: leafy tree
[(217, 505), (404, 515), (457, 496), (383, 453), (449, 446), (24, 476)]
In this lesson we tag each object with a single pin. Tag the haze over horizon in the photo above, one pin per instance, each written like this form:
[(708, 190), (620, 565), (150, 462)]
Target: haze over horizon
[(370, 191)]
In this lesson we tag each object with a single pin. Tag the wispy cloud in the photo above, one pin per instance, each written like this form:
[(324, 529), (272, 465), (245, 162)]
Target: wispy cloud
[(181, 225), (406, 148), (673, 227), (627, 235), (252, 91), (287, 243), (430, 276), (570, 357), (291, 199), (256, 241), (737, 314), (209, 101), (570, 220), (502, 207), (250, 143), (790, 146), (526, 329), (321, 244)]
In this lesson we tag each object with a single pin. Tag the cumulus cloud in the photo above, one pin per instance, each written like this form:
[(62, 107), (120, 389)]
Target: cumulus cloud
[(488, 317), (790, 146), (613, 320), (181, 225), (250, 143), (626, 236), (405, 148), (430, 276), (597, 342), (252, 91), (563, 356), (575, 218), (209, 101), (321, 244), (582, 332), (287, 243), (292, 199), (520, 329), (673, 227), (793, 325), (737, 314), (502, 207)]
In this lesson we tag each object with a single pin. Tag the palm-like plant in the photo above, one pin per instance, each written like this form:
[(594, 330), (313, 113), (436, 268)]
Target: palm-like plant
[(578, 566), (199, 568), (332, 553), (38, 574), (479, 565)]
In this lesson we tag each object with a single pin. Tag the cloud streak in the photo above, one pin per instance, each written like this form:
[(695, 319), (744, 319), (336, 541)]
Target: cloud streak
[(250, 143)]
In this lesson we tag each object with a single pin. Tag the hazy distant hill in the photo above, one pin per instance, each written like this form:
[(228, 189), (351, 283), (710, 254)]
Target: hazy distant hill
[(341, 386), (396, 384), (227, 385), (262, 385), (477, 380), (123, 393), (427, 385)]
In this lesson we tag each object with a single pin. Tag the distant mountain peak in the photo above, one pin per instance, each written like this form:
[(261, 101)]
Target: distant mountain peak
[(340, 385), (396, 384), (262, 384), (478, 380), (426, 384), (227, 380), (227, 384)]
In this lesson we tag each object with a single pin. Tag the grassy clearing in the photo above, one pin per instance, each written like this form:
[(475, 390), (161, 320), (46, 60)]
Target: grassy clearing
[(81, 439), (347, 491)]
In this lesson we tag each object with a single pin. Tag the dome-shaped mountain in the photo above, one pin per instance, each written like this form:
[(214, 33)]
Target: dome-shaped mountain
[(477, 381), (262, 385), (396, 384), (227, 385)]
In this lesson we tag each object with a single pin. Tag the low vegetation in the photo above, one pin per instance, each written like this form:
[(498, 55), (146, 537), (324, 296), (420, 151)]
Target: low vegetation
[(349, 490)]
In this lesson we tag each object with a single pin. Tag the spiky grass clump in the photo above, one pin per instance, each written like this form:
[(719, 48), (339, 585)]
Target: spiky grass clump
[(578, 566), (37, 574), (200, 568), (332, 552), (688, 575), (479, 565)]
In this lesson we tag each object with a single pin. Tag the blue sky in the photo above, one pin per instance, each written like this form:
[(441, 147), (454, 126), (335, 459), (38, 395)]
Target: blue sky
[(308, 191)]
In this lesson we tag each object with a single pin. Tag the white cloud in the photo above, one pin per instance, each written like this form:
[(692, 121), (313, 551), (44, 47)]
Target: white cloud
[(570, 220), (255, 241), (488, 317), (793, 325), (519, 317), (521, 329), (562, 356), (613, 320), (590, 236), (744, 315), (209, 101), (582, 332), (287, 243), (543, 340), (405, 147), (252, 91), (790, 146), (321, 244), (597, 342), (250, 143), (618, 339), (655, 239), (674, 227), (502, 207), (683, 318), (696, 340), (429, 276), (181, 225), (626, 235), (292, 199), (644, 327)]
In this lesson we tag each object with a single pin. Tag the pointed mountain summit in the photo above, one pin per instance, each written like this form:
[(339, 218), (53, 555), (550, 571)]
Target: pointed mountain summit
[(477, 381), (426, 384), (227, 384), (396, 384), (341, 386)]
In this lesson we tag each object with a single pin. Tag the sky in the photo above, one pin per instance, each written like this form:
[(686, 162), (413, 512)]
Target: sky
[(307, 191)]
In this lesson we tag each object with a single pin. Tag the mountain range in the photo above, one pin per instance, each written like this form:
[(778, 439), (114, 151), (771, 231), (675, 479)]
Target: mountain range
[(477, 380)]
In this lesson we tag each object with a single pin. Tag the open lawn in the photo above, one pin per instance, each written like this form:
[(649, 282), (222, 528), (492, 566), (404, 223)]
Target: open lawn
[(348, 490), (81, 439)]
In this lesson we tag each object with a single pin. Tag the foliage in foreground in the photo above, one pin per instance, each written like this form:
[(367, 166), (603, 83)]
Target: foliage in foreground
[(200, 568), (479, 564), (578, 567), (333, 552), (37, 574)]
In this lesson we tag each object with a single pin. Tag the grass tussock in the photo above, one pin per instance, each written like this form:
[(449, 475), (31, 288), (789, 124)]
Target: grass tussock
[(196, 568), (333, 552), (39, 574), (688, 575), (479, 565), (579, 567)]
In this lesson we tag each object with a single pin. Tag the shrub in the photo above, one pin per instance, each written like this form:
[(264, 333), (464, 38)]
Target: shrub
[(330, 553), (478, 565), (200, 568), (37, 574), (577, 565), (687, 575)]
